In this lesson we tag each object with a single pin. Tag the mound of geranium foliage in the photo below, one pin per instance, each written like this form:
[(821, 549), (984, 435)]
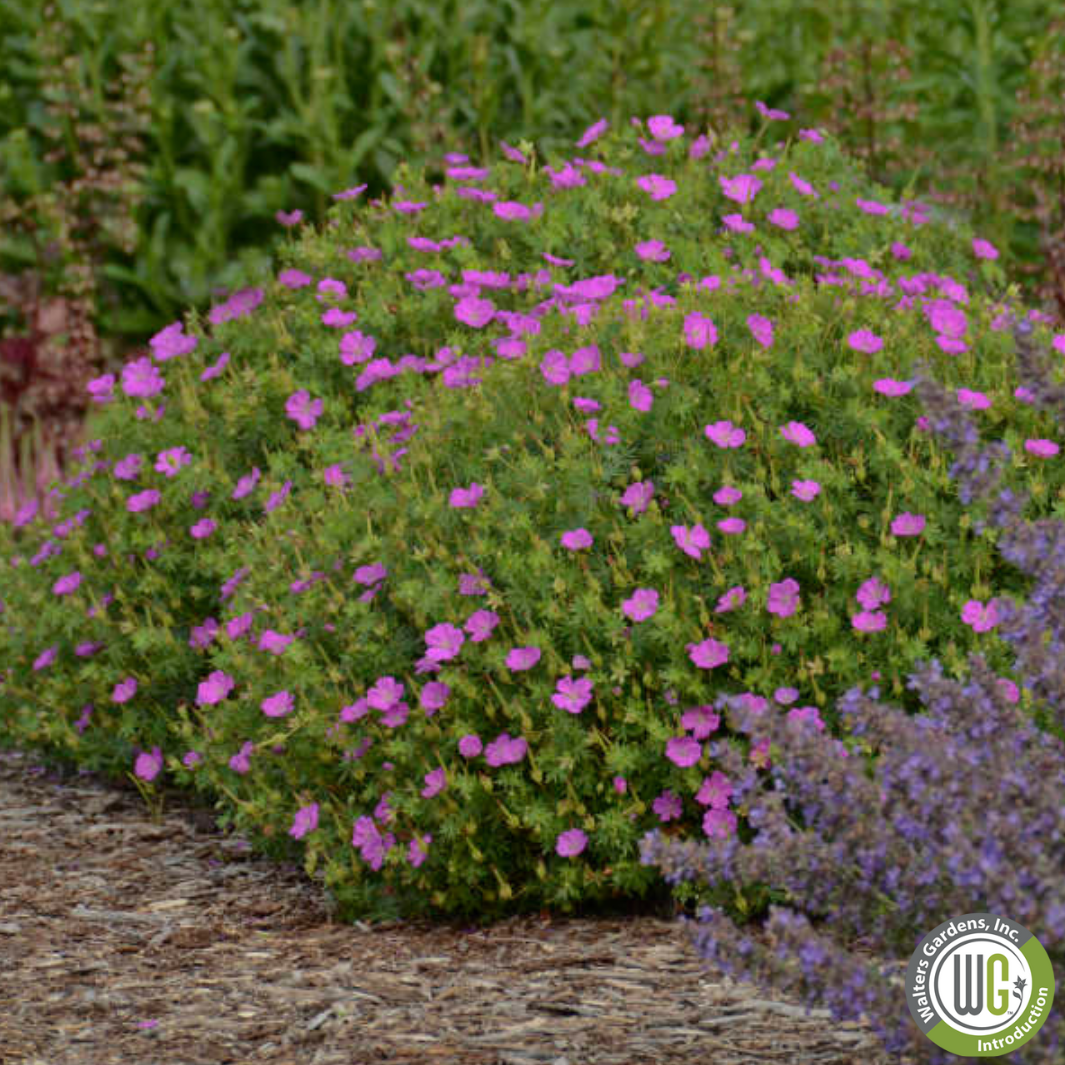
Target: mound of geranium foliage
[(871, 843), (434, 552)]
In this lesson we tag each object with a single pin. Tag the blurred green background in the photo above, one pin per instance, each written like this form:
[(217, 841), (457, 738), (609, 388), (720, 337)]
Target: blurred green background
[(146, 146)]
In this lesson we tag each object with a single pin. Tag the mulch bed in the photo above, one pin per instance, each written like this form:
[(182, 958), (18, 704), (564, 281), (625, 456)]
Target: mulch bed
[(127, 941)]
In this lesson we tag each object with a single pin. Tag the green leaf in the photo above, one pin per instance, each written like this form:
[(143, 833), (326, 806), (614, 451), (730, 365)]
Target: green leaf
[(314, 176)]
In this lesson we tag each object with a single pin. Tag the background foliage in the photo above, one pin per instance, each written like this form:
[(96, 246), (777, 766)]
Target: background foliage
[(147, 148)]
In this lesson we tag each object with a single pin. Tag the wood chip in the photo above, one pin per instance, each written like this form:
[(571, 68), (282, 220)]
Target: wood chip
[(109, 920)]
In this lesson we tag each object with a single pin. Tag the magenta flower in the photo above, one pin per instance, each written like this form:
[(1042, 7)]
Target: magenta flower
[(653, 251), (593, 132), (907, 524), (356, 347), (638, 496), (771, 113), (335, 318), (364, 254), (699, 331), (585, 360), (216, 367), (302, 410), (571, 843), (385, 693), (505, 751), (171, 342), (871, 206), (66, 585), (761, 329), (873, 593), (170, 462), (702, 720), (797, 433), (239, 305), (716, 790), (801, 186), (719, 823), (663, 128), (867, 621), (474, 312), (945, 318), (512, 211), (470, 746), (572, 695), (569, 177), (143, 500), (783, 598), (807, 713), (468, 173), (725, 434), (433, 696), (274, 642), (983, 249), (247, 483), (364, 831), (214, 689), (203, 528), (522, 658), (737, 224), (417, 851), (349, 194), (667, 806), (480, 625), (575, 539), (692, 542), (277, 705), (240, 762), (743, 188), (147, 766), (102, 388), (466, 497), (443, 642), (981, 618), (683, 750), (435, 782), (657, 186), (865, 340), (708, 653), (46, 658), (642, 605), (306, 820), (124, 690), (784, 218), (640, 396)]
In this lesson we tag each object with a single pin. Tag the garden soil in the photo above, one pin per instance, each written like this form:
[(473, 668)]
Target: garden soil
[(138, 942)]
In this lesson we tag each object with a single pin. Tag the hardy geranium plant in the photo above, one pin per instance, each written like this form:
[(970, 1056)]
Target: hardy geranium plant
[(434, 552)]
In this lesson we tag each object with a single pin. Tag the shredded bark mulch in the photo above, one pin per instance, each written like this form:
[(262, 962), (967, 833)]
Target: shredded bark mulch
[(133, 942)]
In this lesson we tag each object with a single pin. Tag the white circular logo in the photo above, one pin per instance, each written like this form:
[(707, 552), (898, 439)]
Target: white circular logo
[(980, 984)]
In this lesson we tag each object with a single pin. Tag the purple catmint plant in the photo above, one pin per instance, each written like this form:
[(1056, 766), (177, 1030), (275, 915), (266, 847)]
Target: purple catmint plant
[(874, 841)]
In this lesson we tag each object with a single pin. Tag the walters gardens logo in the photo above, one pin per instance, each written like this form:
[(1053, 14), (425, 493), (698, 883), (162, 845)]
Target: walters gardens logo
[(980, 985)]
